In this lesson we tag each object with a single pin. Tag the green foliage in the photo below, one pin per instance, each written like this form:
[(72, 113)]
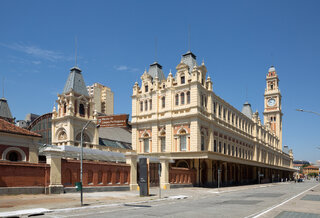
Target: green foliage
[(313, 174)]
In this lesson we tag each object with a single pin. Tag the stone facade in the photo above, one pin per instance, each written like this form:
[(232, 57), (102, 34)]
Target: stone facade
[(180, 117)]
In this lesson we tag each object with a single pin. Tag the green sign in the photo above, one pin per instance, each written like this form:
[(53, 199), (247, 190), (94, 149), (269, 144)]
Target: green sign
[(78, 186)]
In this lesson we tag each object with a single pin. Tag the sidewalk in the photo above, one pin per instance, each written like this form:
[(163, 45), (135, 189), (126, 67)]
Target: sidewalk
[(72, 200)]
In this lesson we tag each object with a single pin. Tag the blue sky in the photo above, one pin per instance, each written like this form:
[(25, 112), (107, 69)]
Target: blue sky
[(238, 41)]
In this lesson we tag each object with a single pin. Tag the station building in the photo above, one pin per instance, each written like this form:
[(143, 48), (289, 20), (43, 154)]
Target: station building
[(181, 118)]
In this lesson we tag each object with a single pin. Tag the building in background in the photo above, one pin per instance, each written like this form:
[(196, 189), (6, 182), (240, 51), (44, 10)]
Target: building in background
[(27, 120), (102, 98), (181, 118), (42, 126), (311, 170)]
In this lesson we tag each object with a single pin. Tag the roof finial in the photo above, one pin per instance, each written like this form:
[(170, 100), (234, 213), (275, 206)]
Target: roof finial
[(156, 47), (2, 87), (189, 37), (202, 61), (76, 51)]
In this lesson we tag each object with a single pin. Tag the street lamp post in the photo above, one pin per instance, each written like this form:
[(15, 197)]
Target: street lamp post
[(81, 160), (302, 110)]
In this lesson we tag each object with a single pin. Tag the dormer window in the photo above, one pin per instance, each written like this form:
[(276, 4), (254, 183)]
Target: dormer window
[(146, 88), (182, 79)]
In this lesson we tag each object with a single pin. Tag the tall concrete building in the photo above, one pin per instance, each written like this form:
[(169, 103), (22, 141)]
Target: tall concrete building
[(102, 98), (181, 118)]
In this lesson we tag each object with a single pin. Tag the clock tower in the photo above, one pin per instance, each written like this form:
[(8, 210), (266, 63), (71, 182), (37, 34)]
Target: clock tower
[(272, 104)]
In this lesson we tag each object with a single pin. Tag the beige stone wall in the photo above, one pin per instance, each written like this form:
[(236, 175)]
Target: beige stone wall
[(206, 115)]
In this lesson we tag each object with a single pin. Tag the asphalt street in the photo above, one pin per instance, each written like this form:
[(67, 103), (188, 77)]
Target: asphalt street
[(282, 200)]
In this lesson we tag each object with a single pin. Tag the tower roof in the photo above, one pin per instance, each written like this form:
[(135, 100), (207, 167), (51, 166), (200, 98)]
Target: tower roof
[(272, 69), (189, 59), (75, 82), (155, 70), (4, 109), (246, 110)]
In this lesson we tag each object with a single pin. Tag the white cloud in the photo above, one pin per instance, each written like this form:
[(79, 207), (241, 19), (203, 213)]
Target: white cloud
[(36, 52), (36, 62), (125, 68)]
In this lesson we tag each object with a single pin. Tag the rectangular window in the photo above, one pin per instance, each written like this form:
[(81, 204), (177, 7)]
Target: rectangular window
[(220, 147), (146, 88), (202, 143), (146, 145), (232, 150), (183, 143), (215, 146), (224, 148), (150, 104), (214, 107), (163, 144), (163, 102)]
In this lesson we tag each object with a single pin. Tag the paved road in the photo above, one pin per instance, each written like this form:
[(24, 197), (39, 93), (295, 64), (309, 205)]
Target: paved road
[(281, 200)]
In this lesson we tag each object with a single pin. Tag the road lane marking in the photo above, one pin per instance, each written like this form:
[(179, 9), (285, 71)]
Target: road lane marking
[(258, 214)]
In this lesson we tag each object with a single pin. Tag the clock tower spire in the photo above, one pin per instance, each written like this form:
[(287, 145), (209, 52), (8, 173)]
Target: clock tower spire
[(272, 104)]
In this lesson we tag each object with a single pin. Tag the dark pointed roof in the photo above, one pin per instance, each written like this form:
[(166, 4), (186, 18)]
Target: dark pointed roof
[(75, 82), (246, 110), (155, 70), (4, 109), (189, 59)]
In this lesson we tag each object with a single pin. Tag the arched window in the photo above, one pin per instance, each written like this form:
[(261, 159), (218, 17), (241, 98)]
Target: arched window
[(145, 105), (188, 97), (183, 140), (182, 98), (64, 108), (85, 137), (163, 99), (13, 156), (146, 144), (177, 99), (81, 110), (141, 106)]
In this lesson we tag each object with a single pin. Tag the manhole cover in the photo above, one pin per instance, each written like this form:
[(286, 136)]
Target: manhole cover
[(243, 202), (311, 198), (265, 195), (290, 214)]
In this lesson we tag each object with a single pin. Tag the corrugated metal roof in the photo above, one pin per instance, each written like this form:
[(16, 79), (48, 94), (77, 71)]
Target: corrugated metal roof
[(75, 82), (4, 109), (115, 134)]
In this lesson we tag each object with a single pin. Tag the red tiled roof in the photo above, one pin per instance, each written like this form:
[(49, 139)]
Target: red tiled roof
[(13, 129), (311, 167)]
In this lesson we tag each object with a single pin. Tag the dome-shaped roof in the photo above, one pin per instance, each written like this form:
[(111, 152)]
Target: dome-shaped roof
[(272, 69)]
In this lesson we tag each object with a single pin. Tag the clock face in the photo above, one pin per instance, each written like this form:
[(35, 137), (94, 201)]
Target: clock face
[(271, 102)]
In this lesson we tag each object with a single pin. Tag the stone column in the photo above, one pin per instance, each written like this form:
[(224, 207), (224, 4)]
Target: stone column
[(209, 174), (131, 159), (164, 179), (54, 160)]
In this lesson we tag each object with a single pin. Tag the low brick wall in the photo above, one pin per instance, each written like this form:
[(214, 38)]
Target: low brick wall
[(23, 174), (182, 176), (95, 173)]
